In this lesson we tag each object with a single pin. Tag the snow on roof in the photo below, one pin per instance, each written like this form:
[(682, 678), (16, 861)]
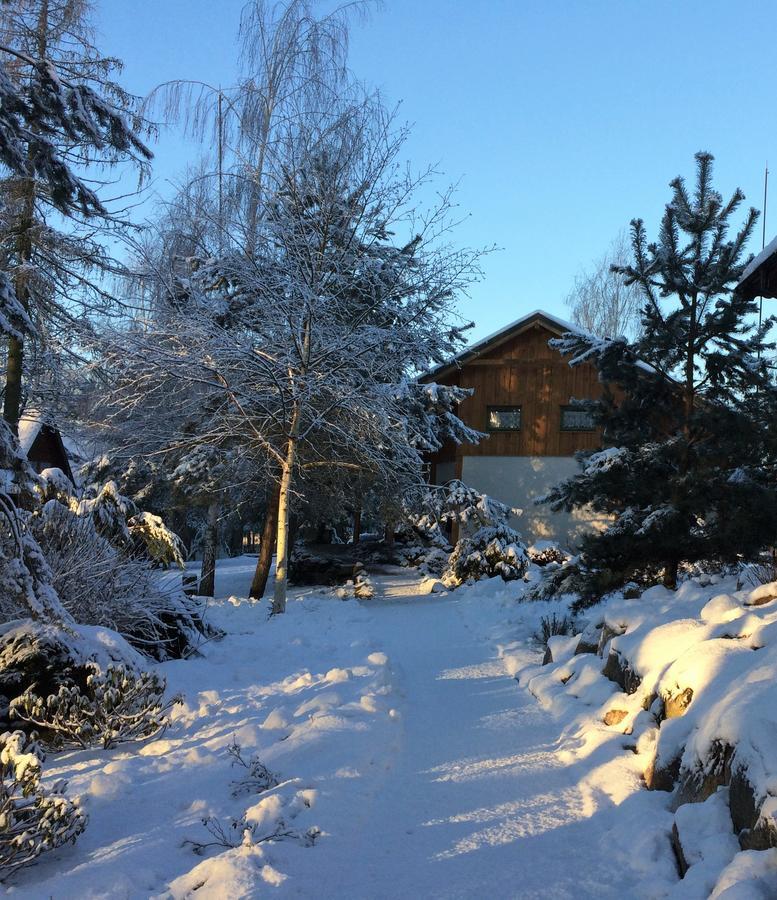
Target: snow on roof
[(769, 250), (562, 325), (30, 425)]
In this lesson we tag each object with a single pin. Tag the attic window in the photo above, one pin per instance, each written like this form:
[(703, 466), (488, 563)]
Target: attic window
[(504, 418), (575, 419)]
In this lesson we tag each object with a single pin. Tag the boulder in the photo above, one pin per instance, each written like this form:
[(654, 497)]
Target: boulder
[(676, 704), (614, 716), (617, 669), (660, 776), (589, 639), (698, 784), (753, 822), (764, 593), (607, 633)]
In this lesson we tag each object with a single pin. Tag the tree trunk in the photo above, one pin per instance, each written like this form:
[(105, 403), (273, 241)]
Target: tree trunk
[(262, 572), (357, 524), (12, 401), (670, 575), (208, 571), (388, 534), (282, 552)]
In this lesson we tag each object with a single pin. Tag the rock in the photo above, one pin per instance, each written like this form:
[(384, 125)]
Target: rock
[(433, 586), (548, 657), (662, 777), (755, 827), (614, 716), (607, 634), (589, 639), (617, 669), (698, 784), (765, 593), (701, 834), (679, 853), (677, 704)]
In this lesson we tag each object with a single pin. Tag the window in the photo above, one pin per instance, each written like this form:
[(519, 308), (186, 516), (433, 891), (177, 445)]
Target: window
[(576, 419), (504, 418)]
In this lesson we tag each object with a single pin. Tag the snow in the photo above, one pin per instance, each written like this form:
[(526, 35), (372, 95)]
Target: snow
[(409, 760), (30, 425)]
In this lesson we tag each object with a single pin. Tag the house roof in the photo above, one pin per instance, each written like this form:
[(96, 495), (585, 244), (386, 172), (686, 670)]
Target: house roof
[(536, 317), (29, 428), (760, 276)]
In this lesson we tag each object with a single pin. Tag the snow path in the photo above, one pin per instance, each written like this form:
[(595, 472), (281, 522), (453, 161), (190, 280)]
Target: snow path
[(397, 729), (474, 801)]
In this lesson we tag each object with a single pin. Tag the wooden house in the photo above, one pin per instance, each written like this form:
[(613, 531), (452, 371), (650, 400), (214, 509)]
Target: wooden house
[(522, 390)]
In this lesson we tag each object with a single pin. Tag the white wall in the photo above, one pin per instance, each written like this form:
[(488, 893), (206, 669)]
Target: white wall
[(518, 480)]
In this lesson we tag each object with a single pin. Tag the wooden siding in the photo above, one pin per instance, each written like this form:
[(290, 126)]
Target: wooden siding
[(47, 452), (524, 371)]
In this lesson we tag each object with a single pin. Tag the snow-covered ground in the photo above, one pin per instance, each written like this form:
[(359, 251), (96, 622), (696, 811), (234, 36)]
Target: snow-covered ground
[(410, 763)]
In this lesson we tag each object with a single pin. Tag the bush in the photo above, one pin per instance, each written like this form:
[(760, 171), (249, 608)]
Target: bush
[(116, 706), (547, 553), (153, 538), (490, 551), (100, 584), (33, 818), (552, 625)]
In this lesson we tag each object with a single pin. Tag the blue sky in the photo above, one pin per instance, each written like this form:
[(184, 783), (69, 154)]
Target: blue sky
[(563, 120)]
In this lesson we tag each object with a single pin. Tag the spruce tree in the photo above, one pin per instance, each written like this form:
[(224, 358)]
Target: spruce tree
[(63, 121), (686, 473)]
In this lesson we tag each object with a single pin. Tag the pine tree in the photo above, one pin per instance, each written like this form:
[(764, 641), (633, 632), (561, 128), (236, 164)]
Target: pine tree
[(687, 473), (61, 115)]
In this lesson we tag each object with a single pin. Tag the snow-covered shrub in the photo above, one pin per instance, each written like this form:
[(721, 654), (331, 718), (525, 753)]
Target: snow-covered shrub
[(492, 550), (26, 579), (487, 546), (36, 656), (545, 553), (115, 706), (101, 584), (33, 818), (241, 832), (162, 545), (110, 510), (428, 560)]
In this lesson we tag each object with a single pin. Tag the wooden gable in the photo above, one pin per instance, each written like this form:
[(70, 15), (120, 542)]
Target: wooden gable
[(518, 368)]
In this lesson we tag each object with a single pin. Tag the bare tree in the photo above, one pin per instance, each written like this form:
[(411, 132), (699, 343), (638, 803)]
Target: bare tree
[(295, 354), (601, 302)]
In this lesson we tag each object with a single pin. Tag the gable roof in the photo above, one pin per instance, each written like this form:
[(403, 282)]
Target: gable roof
[(30, 426), (492, 341)]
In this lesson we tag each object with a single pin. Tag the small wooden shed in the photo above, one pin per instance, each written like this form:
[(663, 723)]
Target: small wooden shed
[(42, 443)]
